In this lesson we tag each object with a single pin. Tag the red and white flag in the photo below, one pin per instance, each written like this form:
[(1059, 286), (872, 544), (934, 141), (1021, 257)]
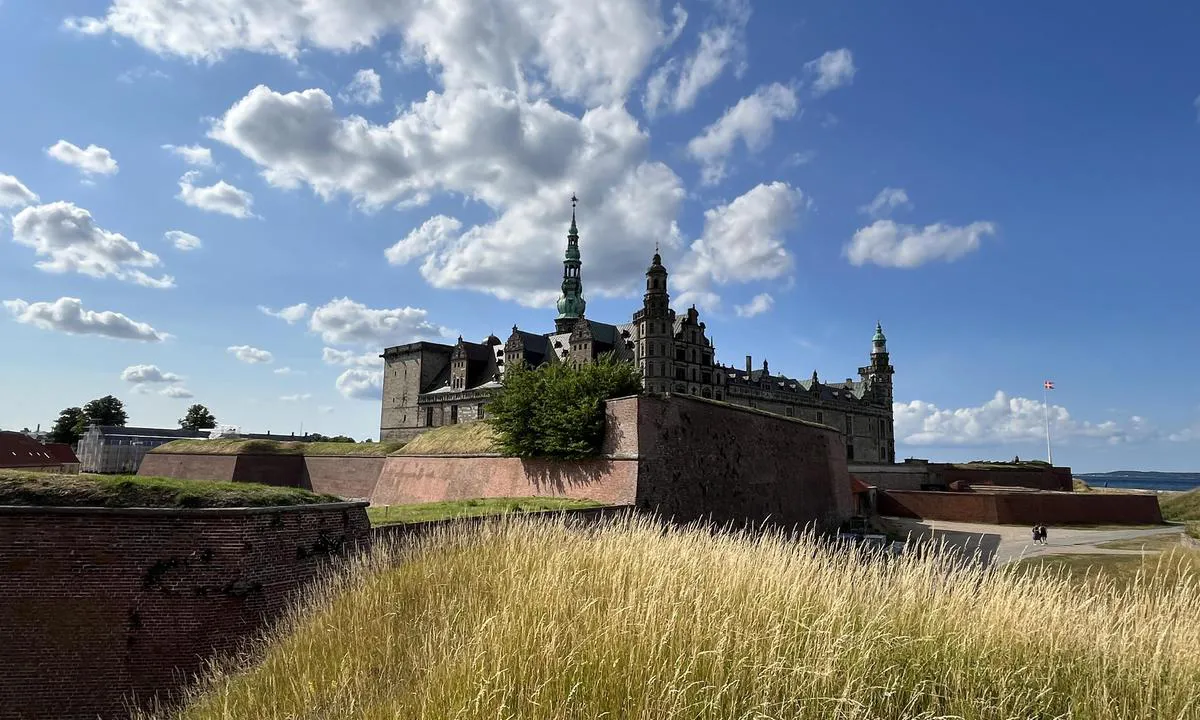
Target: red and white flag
[(1049, 384)]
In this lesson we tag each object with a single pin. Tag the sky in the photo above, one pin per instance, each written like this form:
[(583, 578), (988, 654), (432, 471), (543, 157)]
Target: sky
[(241, 203)]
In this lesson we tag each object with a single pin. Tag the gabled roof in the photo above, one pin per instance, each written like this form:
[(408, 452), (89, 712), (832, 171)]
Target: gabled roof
[(61, 452), (19, 450)]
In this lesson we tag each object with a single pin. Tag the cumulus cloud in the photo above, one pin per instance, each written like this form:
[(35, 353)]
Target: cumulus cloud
[(148, 374), (287, 371), (889, 244), (833, 70), (521, 158), (345, 322), (677, 83), (360, 384), (220, 197), (758, 305), (592, 52), (887, 200), (70, 240), (248, 354), (751, 120), (192, 154), (290, 314), (295, 398), (1188, 434), (332, 356), (181, 240), (13, 193), (68, 315), (364, 89), (1002, 420), (742, 241), (93, 160), (176, 392)]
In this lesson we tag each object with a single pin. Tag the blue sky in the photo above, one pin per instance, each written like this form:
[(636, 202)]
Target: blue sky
[(1015, 196)]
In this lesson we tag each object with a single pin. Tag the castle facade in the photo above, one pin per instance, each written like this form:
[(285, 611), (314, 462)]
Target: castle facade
[(427, 384)]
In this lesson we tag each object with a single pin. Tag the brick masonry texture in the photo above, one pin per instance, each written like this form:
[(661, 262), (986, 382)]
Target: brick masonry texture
[(911, 476), (348, 476), (102, 605), (1022, 508), (420, 479)]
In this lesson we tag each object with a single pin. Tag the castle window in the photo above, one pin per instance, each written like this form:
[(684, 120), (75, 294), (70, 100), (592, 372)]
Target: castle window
[(791, 411), (717, 395), (706, 378), (849, 424), (479, 411), (679, 374), (820, 416), (706, 359), (429, 416), (705, 392), (849, 451), (453, 414), (679, 354)]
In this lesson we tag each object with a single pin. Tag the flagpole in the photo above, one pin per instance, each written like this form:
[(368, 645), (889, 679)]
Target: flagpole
[(1046, 412)]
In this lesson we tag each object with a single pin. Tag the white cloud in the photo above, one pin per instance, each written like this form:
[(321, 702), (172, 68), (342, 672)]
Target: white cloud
[(888, 244), (723, 41), (1188, 434), (343, 321), (219, 197), (364, 89), (436, 232), (148, 374), (833, 70), (192, 154), (803, 157), (71, 241), (758, 305), (290, 314), (68, 315), (248, 354), (295, 398), (92, 160), (181, 240), (591, 51), (140, 72), (887, 200), (13, 193), (176, 392), (287, 371), (1005, 419), (521, 158), (742, 241), (359, 384), (348, 358), (324, 409), (751, 119)]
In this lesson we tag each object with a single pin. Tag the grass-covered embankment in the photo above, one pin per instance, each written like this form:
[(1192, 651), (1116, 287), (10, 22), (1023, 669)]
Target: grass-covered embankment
[(427, 512), (27, 488), (474, 438), (1182, 507), (533, 620), (233, 446)]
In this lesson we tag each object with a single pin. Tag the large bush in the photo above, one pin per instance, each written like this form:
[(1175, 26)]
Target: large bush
[(558, 410)]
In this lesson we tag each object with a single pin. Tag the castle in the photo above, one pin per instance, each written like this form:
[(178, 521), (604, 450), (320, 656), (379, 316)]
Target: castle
[(427, 384)]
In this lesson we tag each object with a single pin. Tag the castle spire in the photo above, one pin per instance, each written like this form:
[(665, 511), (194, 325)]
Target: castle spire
[(571, 304)]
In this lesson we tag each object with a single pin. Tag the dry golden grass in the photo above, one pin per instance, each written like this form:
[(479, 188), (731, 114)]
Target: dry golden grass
[(473, 438), (530, 619)]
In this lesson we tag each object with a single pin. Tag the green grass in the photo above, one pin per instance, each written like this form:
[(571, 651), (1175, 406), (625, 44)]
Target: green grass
[(425, 512), (1115, 573), (26, 488), (473, 438), (232, 446), (638, 620), (1160, 542), (1181, 507)]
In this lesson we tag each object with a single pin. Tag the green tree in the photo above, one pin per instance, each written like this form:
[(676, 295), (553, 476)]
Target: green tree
[(66, 427), (558, 410), (197, 418), (107, 410)]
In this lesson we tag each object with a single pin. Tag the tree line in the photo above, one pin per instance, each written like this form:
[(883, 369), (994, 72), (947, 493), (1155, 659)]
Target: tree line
[(72, 422)]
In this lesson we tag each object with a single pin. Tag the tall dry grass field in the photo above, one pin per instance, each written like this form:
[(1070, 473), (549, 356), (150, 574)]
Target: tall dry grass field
[(533, 619)]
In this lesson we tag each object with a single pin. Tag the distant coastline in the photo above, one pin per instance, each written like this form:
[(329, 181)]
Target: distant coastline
[(1140, 480)]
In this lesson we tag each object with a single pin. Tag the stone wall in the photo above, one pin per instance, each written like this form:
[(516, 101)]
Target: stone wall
[(348, 476), (892, 477), (433, 478), (100, 605), (1023, 508), (700, 459), (915, 474)]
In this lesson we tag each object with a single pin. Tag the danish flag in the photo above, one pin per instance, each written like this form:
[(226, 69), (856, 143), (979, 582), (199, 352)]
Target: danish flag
[(1049, 384)]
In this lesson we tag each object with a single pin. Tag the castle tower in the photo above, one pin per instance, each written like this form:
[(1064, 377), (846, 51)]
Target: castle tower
[(571, 304), (655, 327), (878, 376)]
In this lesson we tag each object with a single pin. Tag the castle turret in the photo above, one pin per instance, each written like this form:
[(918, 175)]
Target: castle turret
[(655, 329), (878, 377), (571, 305)]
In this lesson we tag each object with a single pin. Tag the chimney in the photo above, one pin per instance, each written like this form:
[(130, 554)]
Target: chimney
[(749, 363)]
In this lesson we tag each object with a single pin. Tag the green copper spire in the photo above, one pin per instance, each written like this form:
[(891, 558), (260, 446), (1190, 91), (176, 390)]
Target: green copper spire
[(571, 305), (879, 333)]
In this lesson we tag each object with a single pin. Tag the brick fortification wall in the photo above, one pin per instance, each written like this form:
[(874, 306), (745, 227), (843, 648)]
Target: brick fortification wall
[(912, 475), (1022, 508), (98, 604), (348, 476), (705, 459)]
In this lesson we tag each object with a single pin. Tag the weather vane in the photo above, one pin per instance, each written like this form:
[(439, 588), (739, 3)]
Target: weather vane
[(573, 200)]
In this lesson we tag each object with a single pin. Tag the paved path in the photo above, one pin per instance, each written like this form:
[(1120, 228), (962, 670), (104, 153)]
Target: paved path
[(1005, 543)]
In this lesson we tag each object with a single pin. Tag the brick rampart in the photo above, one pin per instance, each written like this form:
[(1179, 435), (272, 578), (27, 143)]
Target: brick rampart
[(99, 605), (348, 476), (1022, 508), (704, 459), (914, 475)]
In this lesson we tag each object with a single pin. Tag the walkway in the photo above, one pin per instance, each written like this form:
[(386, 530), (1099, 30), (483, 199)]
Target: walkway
[(1005, 543)]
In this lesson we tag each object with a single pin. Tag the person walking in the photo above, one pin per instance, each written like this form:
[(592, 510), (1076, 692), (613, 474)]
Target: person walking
[(1043, 534), (1037, 534)]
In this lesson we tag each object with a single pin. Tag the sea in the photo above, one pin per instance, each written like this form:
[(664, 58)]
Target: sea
[(1159, 481)]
